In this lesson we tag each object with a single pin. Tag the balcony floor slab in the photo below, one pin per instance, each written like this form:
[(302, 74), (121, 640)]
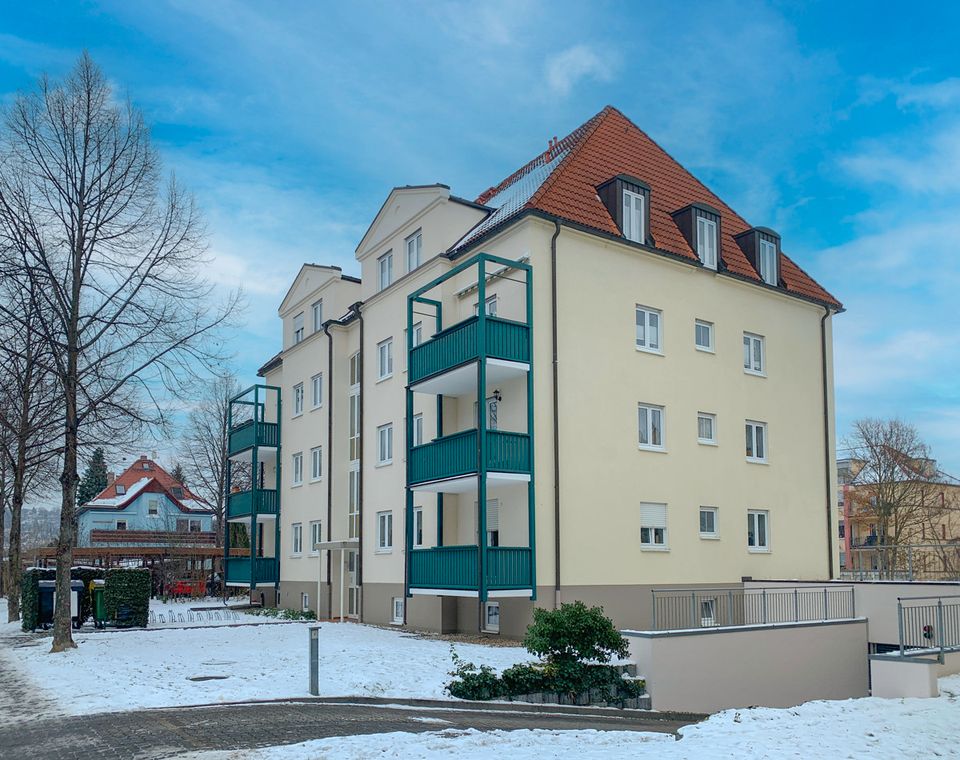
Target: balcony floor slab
[(468, 483), (462, 381)]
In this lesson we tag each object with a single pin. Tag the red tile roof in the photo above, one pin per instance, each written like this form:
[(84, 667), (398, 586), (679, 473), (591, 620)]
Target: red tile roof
[(159, 481), (610, 144)]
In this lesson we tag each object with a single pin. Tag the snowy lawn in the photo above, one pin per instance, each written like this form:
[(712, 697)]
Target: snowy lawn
[(854, 728), (125, 670)]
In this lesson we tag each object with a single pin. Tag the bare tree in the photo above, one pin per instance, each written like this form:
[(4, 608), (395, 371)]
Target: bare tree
[(205, 445), (114, 256)]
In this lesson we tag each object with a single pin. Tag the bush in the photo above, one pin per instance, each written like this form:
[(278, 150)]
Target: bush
[(30, 596), (471, 682), (574, 633), (127, 597), (525, 679), (283, 614)]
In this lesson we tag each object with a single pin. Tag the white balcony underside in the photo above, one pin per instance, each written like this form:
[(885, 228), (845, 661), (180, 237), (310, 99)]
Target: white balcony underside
[(462, 381), (468, 483), (517, 592), (265, 454), (246, 518)]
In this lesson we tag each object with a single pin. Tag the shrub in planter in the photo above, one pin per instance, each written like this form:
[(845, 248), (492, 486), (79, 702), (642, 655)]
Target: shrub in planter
[(126, 595), (471, 682), (525, 679)]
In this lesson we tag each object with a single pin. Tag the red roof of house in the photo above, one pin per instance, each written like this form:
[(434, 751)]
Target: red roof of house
[(146, 476), (609, 145)]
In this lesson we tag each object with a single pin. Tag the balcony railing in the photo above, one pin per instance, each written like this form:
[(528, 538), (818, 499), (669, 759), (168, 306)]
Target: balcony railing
[(250, 433), (266, 570), (454, 568), (240, 504), (152, 538), (456, 345), (455, 455)]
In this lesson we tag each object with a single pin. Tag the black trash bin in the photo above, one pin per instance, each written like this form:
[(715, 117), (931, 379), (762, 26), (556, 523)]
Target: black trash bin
[(46, 603)]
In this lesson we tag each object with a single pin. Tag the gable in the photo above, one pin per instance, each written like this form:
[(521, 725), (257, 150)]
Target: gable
[(310, 278), (401, 205)]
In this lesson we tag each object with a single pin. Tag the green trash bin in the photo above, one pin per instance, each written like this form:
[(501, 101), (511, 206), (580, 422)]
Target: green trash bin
[(99, 604)]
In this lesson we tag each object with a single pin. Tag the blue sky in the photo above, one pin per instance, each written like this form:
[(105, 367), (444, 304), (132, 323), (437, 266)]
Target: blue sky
[(838, 124)]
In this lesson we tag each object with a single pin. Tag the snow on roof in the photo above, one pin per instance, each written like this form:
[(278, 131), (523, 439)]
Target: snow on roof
[(196, 504), (116, 501)]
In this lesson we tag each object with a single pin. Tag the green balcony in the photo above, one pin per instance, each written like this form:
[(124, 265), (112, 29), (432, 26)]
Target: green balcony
[(454, 568), (241, 504), (459, 344), (265, 570), (455, 456), (250, 434)]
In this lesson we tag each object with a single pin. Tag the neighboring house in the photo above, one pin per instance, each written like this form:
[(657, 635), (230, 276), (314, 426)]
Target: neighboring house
[(638, 389), (145, 506)]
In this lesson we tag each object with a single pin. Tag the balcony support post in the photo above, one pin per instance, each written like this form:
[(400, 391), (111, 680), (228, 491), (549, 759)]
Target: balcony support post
[(531, 501), (225, 527), (254, 462), (276, 522), (481, 436)]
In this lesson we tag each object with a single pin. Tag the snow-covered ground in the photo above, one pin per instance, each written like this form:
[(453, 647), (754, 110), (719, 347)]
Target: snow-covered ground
[(854, 728), (125, 670)]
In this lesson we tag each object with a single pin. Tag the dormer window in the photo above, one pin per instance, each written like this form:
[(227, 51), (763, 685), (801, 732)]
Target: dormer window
[(768, 261), (761, 246), (700, 225), (628, 201), (298, 328), (707, 241)]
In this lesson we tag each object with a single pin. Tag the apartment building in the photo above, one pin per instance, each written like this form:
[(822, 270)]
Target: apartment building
[(634, 383)]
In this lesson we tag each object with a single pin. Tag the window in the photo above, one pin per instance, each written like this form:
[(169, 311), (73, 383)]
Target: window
[(297, 538), (758, 530), (145, 466), (418, 526), (384, 531), (316, 463), (706, 427), (177, 491), (417, 429), (756, 441), (385, 444), (354, 427), (195, 526), (754, 359), (121, 489), (298, 468), (385, 359), (414, 247), (493, 521), (153, 508), (651, 426), (317, 311), (304, 601), (316, 536), (385, 269), (708, 612), (397, 617), (768, 261), (648, 329), (121, 524), (491, 617), (490, 306), (708, 522), (316, 383), (417, 334), (633, 217), (653, 526), (703, 335), (707, 241), (353, 504), (355, 369), (298, 328), (298, 399)]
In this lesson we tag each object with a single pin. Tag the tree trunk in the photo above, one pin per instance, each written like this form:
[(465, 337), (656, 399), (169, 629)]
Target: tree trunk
[(15, 566), (3, 524)]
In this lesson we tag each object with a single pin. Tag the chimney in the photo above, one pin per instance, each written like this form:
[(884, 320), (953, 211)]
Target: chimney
[(111, 476)]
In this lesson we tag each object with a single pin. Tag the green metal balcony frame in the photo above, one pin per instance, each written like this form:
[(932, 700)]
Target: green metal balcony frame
[(253, 434), (472, 568)]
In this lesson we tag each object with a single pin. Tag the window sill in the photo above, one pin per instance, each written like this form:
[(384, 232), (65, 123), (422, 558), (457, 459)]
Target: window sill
[(703, 442), (755, 374), (296, 556), (756, 461), (704, 350), (653, 548), (752, 550), (387, 463), (396, 622), (295, 415), (384, 551), (655, 449), (654, 351), (315, 408), (710, 536), (317, 480), (314, 554), (296, 485), (384, 378)]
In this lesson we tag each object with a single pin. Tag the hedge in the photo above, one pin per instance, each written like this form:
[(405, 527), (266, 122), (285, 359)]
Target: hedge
[(127, 597), (30, 592)]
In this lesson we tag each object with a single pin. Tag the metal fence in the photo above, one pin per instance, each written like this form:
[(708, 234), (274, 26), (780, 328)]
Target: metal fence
[(904, 562), (726, 607), (929, 622)]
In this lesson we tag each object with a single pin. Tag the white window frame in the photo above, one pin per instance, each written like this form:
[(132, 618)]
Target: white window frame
[(121, 489), (298, 399), (707, 231), (767, 258), (296, 539), (651, 544), (645, 426), (417, 334), (384, 532), (417, 430), (316, 388), (697, 323), (385, 270), (298, 328), (396, 612), (646, 313), (316, 310), (751, 342), (708, 612), (385, 359), (297, 469), (316, 536), (153, 507), (385, 444), (417, 527), (304, 601), (316, 464), (753, 519), (414, 245), (750, 435), (634, 216), (353, 501), (490, 306), (712, 440), (715, 533), (489, 627)]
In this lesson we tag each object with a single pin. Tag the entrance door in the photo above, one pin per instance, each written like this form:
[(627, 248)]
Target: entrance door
[(353, 590)]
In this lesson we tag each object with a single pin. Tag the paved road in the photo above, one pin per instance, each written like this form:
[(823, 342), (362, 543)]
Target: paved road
[(164, 733)]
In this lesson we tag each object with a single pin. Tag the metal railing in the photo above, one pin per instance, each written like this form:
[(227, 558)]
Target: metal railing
[(910, 562), (929, 622), (675, 609)]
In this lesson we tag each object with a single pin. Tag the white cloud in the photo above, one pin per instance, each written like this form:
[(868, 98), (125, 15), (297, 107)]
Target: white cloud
[(568, 67)]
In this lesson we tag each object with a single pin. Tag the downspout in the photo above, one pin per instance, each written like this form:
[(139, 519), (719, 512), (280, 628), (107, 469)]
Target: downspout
[(556, 417), (827, 474), (326, 331), (356, 310)]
